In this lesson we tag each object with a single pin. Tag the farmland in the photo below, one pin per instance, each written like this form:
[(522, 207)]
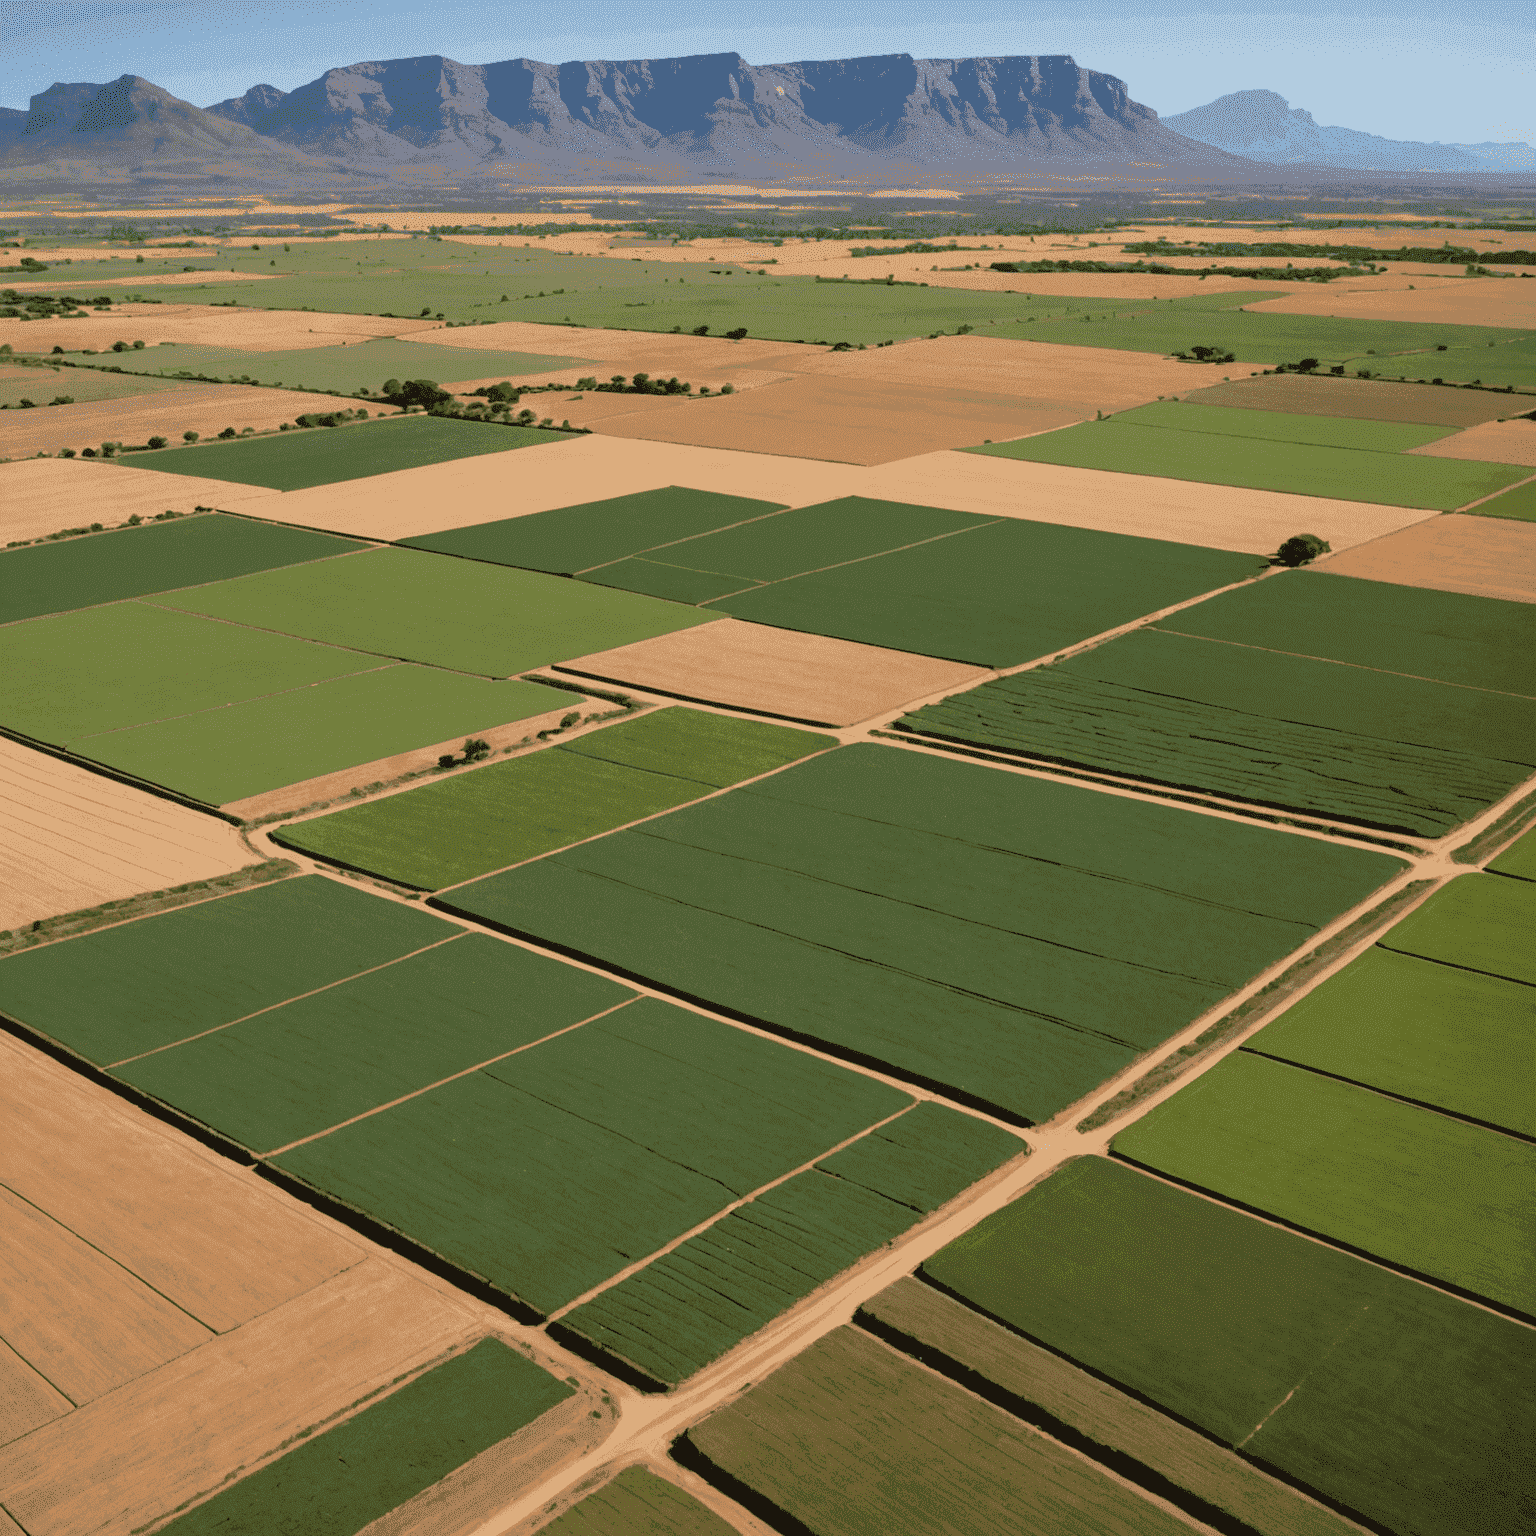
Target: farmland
[(1518, 860), (448, 832), (1401, 753), (1136, 443), (1312, 394), (783, 903), (304, 459), (637, 1500), (1475, 923), (1518, 503), (1222, 1330), (1480, 556)]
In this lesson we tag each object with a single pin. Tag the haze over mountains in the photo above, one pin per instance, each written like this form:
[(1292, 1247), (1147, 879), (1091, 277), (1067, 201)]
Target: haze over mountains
[(1261, 125), (709, 114)]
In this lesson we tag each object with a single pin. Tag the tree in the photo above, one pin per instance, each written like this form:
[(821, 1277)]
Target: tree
[(158, 442), (738, 334), (701, 330), (424, 392), (228, 432), (1301, 548)]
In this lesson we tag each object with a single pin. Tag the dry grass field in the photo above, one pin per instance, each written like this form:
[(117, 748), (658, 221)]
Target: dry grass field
[(43, 496), (71, 839), (1495, 442), (783, 672), (203, 408), (1485, 556)]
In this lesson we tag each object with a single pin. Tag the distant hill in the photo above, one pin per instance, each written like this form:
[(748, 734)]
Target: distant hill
[(256, 102), (1261, 125)]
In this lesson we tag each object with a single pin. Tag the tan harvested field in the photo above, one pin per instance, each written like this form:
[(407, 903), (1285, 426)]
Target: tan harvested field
[(1485, 556), (1495, 442), (43, 496), (158, 279), (1081, 379), (42, 384), (462, 492), (70, 839), (739, 378), (203, 408), (1357, 399), (1183, 511), (332, 786), (26, 1399), (1476, 301), (776, 672), (846, 421), (252, 330), (595, 410)]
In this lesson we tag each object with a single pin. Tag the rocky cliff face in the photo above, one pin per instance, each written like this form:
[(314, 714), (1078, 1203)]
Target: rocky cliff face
[(719, 109), (256, 102), (1263, 126)]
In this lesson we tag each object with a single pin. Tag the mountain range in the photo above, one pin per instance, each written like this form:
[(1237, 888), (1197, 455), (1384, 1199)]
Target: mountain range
[(1260, 125)]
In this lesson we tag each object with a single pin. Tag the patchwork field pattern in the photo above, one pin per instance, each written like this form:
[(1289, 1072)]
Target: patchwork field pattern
[(1400, 753), (450, 831), (1354, 399), (639, 1503), (299, 460), (1481, 556), (1283, 1349), (855, 899), (1519, 503)]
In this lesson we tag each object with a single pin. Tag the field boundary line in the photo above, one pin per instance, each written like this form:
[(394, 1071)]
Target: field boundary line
[(415, 1093), (686, 539), (112, 1066), (1492, 495)]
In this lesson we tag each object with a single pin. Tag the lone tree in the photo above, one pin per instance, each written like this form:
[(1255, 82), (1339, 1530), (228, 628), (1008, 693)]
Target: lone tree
[(1301, 548)]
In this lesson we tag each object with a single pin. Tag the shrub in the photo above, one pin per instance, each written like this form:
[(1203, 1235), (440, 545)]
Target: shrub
[(475, 748), (447, 760), (526, 418), (62, 400), (66, 453), (727, 389), (423, 392), (58, 350), (138, 346), (567, 721), (158, 442), (1301, 548), (119, 346), (1212, 355), (701, 330), (109, 450), (87, 453), (135, 520), (228, 432), (587, 383), (739, 334)]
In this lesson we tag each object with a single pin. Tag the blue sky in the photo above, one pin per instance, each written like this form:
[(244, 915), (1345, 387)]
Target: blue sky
[(1412, 69)]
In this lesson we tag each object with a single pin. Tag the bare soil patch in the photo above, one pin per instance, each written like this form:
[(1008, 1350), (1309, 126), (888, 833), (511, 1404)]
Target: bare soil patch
[(1078, 379), (846, 421), (1356, 399), (1496, 442), (70, 839), (43, 496), (1474, 301), (1183, 511), (803, 677), (206, 409), (1485, 556), (481, 490)]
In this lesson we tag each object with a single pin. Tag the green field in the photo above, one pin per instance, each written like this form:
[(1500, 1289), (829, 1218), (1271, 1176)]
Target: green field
[(774, 549), (1286, 426), (639, 1503), (994, 595), (551, 1171), (1436, 1034), (132, 562), (1508, 363), (1013, 940), (1519, 859), (360, 366), (1435, 1196), (297, 460), (460, 614), (122, 991), (1124, 445), (470, 824), (1478, 642), (964, 1345), (1476, 922), (572, 539), (41, 385), (227, 753), (1397, 753), (338, 1481), (703, 1298), (77, 674), (1519, 503), (308, 1065), (851, 1437), (1386, 1397)]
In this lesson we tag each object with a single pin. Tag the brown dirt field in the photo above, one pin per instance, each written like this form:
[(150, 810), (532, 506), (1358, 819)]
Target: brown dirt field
[(203, 408), (845, 421), (182, 1430), (332, 786), (1184, 511), (1357, 399), (1473, 301), (776, 672), (77, 1318), (595, 410), (42, 496), (26, 1399), (278, 330), (71, 839), (156, 279), (214, 1241), (481, 490), (1485, 556), (1494, 442), (1080, 379)]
